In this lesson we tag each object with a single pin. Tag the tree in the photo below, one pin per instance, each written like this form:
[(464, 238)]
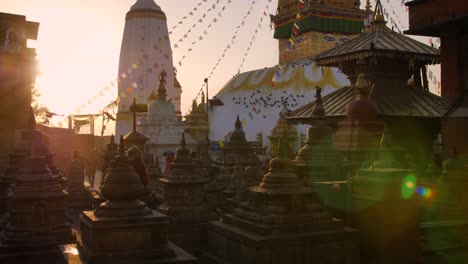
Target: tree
[(40, 111)]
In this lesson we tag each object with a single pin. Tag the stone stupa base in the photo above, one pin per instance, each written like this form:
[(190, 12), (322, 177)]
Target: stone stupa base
[(21, 246), (190, 232), (141, 239), (231, 244)]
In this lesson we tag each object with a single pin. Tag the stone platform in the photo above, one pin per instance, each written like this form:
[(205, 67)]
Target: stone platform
[(128, 240), (230, 244)]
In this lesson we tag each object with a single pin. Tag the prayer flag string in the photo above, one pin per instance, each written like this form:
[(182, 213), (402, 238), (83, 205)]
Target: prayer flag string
[(259, 25)]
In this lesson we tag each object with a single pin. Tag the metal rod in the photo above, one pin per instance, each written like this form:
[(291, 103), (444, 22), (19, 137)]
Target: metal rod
[(207, 105)]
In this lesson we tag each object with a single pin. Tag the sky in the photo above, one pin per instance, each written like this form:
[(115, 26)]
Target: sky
[(79, 42)]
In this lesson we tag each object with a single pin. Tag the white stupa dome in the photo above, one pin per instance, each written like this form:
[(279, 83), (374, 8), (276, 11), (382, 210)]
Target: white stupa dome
[(161, 111), (145, 4)]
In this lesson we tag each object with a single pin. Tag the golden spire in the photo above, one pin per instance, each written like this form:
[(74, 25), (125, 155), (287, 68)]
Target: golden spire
[(379, 19)]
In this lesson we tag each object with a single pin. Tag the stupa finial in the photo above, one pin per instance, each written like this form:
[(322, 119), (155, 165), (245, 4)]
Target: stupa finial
[(182, 141), (203, 97), (112, 139), (319, 109), (238, 124), (379, 20), (162, 86)]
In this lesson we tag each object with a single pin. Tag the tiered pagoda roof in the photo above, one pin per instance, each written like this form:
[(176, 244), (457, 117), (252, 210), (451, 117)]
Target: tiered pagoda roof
[(400, 100)]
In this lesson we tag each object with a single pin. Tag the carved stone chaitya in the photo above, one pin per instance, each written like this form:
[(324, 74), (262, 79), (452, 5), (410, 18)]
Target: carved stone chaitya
[(123, 229), (237, 149), (281, 222), (184, 204)]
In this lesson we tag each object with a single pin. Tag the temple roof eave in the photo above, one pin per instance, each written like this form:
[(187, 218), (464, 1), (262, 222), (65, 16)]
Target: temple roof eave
[(333, 120), (416, 104), (336, 60), (381, 43)]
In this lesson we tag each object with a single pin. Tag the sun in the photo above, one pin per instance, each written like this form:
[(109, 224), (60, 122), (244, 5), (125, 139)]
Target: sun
[(77, 52)]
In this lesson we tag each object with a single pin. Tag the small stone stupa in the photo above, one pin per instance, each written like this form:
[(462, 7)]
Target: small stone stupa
[(318, 159), (37, 215), (281, 222), (123, 229), (184, 203), (78, 197), (236, 151)]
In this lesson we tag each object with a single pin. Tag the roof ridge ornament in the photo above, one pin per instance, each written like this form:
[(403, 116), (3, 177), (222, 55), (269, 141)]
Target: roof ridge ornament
[(379, 19), (319, 109)]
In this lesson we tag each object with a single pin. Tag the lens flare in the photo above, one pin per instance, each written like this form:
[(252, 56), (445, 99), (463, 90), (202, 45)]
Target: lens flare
[(408, 186), (425, 192)]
